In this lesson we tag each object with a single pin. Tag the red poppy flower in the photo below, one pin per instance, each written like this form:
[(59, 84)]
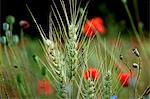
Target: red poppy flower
[(91, 73), (124, 79), (24, 24), (87, 30), (44, 87), (93, 25), (98, 24)]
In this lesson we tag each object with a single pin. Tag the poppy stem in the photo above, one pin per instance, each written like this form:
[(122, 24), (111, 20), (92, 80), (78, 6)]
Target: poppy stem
[(23, 92), (138, 76), (125, 62), (21, 36), (6, 52)]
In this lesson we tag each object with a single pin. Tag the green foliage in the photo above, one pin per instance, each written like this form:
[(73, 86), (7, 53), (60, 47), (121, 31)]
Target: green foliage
[(25, 62)]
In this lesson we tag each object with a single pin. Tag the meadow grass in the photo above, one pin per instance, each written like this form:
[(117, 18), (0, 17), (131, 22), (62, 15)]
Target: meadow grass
[(66, 54)]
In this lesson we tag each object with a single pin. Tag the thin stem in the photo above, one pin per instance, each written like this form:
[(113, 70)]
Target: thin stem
[(22, 90), (135, 31), (135, 3), (6, 52), (130, 18), (138, 77), (22, 35)]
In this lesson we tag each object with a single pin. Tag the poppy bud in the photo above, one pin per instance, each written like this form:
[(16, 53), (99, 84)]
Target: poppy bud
[(5, 26), (43, 71), (36, 58), (135, 65), (81, 10), (3, 40), (18, 78), (15, 39), (8, 33), (141, 25), (121, 57), (136, 52), (10, 19)]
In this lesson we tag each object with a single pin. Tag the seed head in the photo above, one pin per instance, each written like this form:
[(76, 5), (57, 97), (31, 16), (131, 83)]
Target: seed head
[(49, 43), (10, 19)]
